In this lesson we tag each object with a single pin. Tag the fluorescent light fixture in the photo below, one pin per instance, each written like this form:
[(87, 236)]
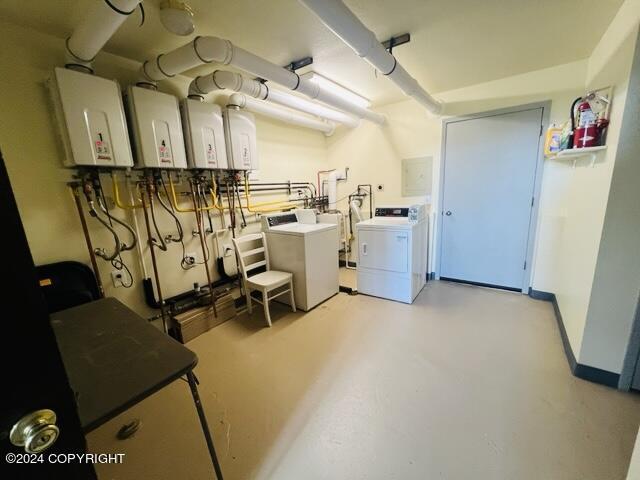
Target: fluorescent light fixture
[(336, 89)]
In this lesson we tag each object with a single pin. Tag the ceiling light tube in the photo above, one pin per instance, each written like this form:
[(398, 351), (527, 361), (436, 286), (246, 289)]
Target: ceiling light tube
[(222, 79), (212, 49), (332, 86), (341, 21), (288, 116)]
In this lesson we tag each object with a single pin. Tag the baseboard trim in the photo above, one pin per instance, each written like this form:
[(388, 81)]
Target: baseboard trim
[(431, 276), (540, 295), (585, 372)]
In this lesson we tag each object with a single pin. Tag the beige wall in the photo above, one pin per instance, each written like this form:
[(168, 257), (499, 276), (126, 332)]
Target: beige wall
[(587, 195), (29, 141)]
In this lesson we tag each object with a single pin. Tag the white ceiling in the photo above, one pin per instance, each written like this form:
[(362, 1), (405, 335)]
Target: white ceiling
[(454, 43)]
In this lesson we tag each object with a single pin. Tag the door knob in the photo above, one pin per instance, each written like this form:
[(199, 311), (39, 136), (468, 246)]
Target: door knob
[(36, 431), (448, 213)]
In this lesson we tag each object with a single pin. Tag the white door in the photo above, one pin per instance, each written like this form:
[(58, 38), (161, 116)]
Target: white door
[(489, 177), (382, 249)]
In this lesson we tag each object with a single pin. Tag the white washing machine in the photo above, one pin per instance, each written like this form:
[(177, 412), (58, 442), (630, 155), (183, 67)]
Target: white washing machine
[(393, 252), (308, 250)]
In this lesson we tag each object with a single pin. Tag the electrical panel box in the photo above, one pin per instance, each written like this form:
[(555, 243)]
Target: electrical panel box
[(157, 130), (91, 119), (240, 138), (203, 134)]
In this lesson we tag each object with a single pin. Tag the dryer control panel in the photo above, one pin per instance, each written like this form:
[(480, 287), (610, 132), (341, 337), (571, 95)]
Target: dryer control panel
[(392, 212), (413, 213)]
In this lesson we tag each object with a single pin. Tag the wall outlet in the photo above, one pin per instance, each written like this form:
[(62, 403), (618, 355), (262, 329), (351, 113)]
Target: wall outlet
[(191, 258), (380, 187), (117, 277)]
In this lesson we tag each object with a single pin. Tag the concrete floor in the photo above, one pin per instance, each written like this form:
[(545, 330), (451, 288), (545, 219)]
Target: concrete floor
[(465, 383)]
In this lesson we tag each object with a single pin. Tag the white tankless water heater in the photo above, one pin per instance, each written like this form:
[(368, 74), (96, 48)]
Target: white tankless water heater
[(240, 138), (157, 130), (91, 119), (203, 135)]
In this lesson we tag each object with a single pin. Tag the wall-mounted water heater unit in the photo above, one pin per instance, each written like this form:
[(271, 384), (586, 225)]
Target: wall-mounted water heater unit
[(240, 139), (203, 134), (157, 130), (91, 118)]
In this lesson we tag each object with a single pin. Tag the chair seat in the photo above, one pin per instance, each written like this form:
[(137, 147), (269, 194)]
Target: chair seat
[(270, 278)]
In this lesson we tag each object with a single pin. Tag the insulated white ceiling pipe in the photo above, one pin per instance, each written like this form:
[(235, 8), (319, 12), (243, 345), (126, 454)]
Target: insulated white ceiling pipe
[(258, 106), (222, 79), (341, 21), (96, 28), (213, 49)]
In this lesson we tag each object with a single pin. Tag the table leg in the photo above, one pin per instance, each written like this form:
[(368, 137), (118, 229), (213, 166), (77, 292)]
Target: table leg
[(203, 421)]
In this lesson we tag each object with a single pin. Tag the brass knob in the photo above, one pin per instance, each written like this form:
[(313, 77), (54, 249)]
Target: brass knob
[(36, 431)]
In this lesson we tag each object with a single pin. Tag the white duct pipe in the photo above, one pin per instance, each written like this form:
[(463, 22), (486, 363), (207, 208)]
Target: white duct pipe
[(341, 21), (263, 108), (222, 79), (332, 189), (213, 49), (96, 28), (355, 210)]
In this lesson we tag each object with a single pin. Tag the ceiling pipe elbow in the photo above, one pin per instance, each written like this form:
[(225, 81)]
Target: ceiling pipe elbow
[(223, 79), (94, 31), (194, 88), (204, 50), (237, 100)]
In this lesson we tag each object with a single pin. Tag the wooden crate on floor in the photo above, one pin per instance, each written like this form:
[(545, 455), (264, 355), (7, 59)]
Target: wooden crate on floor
[(195, 322)]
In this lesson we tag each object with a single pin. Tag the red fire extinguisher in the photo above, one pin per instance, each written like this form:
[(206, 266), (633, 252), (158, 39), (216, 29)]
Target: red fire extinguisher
[(586, 132)]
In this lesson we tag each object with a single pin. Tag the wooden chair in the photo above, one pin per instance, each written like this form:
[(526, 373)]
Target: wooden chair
[(264, 282)]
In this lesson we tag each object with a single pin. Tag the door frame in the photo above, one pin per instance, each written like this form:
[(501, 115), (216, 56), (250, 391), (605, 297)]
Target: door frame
[(533, 220)]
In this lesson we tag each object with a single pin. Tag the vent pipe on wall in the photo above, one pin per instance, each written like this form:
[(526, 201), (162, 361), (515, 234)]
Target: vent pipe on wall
[(260, 107), (212, 49), (95, 29), (222, 79), (341, 21)]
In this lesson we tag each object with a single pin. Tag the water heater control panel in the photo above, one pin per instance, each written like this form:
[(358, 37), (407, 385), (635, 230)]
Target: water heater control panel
[(203, 135), (157, 129), (91, 117)]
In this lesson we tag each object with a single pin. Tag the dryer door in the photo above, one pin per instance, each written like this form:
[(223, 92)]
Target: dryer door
[(381, 249)]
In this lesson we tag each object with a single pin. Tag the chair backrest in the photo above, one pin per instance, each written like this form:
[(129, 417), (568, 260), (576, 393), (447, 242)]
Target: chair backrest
[(67, 284), (245, 253)]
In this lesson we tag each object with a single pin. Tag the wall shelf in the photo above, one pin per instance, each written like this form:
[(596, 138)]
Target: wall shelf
[(575, 153)]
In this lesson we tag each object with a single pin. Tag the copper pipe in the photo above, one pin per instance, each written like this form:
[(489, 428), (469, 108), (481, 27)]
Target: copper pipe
[(198, 213), (153, 253), (87, 238), (232, 211)]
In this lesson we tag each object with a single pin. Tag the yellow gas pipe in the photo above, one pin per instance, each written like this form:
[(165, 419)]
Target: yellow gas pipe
[(275, 205), (174, 201), (116, 195)]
